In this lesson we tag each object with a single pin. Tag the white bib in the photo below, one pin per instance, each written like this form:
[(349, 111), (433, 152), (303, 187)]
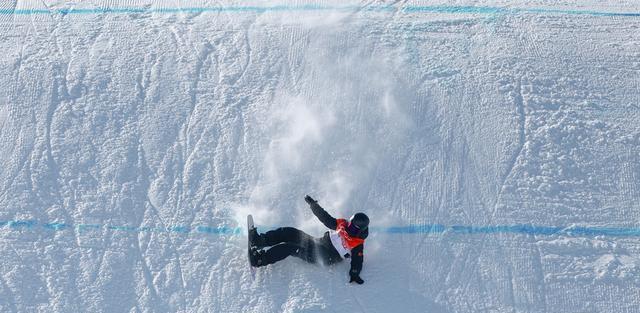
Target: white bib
[(336, 241)]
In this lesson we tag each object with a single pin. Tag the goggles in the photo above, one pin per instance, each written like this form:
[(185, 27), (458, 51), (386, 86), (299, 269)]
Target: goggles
[(353, 230)]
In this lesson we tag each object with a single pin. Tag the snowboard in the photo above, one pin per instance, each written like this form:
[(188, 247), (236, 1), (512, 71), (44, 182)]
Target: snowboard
[(250, 226)]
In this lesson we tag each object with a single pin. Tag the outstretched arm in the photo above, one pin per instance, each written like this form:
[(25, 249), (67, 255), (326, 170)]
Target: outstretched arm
[(321, 214), (356, 264)]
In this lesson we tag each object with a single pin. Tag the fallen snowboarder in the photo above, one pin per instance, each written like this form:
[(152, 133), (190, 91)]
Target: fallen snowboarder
[(345, 239)]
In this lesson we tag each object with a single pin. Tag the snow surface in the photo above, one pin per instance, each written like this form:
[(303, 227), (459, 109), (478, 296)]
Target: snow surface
[(494, 144)]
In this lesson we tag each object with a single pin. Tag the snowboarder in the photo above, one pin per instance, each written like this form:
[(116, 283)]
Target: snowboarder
[(345, 239)]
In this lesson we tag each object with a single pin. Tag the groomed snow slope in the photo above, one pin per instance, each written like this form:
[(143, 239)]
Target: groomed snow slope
[(494, 144)]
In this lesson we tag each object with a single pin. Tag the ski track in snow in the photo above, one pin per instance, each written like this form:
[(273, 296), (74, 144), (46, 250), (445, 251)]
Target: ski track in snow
[(495, 144)]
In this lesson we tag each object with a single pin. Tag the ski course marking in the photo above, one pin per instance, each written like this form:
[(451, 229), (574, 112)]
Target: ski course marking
[(572, 231)]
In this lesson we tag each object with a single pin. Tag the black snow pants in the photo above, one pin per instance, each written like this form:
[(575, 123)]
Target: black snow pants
[(286, 241)]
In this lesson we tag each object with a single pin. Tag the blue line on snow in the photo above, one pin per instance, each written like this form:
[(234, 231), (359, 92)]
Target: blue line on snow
[(291, 8), (516, 229), (55, 226), (218, 230), (180, 229), (576, 231), (88, 227), (22, 224)]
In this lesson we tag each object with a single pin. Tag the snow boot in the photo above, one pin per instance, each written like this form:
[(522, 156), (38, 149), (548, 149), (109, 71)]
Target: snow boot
[(257, 257)]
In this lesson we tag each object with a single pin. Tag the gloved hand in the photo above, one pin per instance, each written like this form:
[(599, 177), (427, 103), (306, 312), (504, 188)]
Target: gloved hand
[(356, 278), (309, 200)]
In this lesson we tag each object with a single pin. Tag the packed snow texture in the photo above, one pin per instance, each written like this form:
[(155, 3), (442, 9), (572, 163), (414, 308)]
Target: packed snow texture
[(130, 128)]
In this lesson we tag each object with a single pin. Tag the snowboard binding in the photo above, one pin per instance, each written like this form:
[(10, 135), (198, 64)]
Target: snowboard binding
[(255, 243)]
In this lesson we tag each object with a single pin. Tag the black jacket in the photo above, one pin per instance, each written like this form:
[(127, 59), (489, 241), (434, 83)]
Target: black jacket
[(329, 221)]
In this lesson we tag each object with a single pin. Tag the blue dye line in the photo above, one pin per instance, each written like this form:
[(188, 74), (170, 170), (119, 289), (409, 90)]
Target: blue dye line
[(302, 8), (88, 227), (123, 228), (514, 229), (22, 224), (55, 226), (574, 231), (82, 228), (180, 229), (218, 230)]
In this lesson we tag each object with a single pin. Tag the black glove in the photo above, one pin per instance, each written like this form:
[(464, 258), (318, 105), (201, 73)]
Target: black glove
[(356, 278), (309, 200)]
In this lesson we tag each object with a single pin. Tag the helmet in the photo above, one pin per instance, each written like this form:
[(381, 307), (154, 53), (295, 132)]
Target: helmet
[(358, 223), (360, 220)]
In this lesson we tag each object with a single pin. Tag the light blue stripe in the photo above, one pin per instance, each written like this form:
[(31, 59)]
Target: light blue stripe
[(577, 231), (55, 226), (123, 228), (148, 229), (414, 229), (22, 224), (514, 229), (88, 227), (293, 8), (218, 230)]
